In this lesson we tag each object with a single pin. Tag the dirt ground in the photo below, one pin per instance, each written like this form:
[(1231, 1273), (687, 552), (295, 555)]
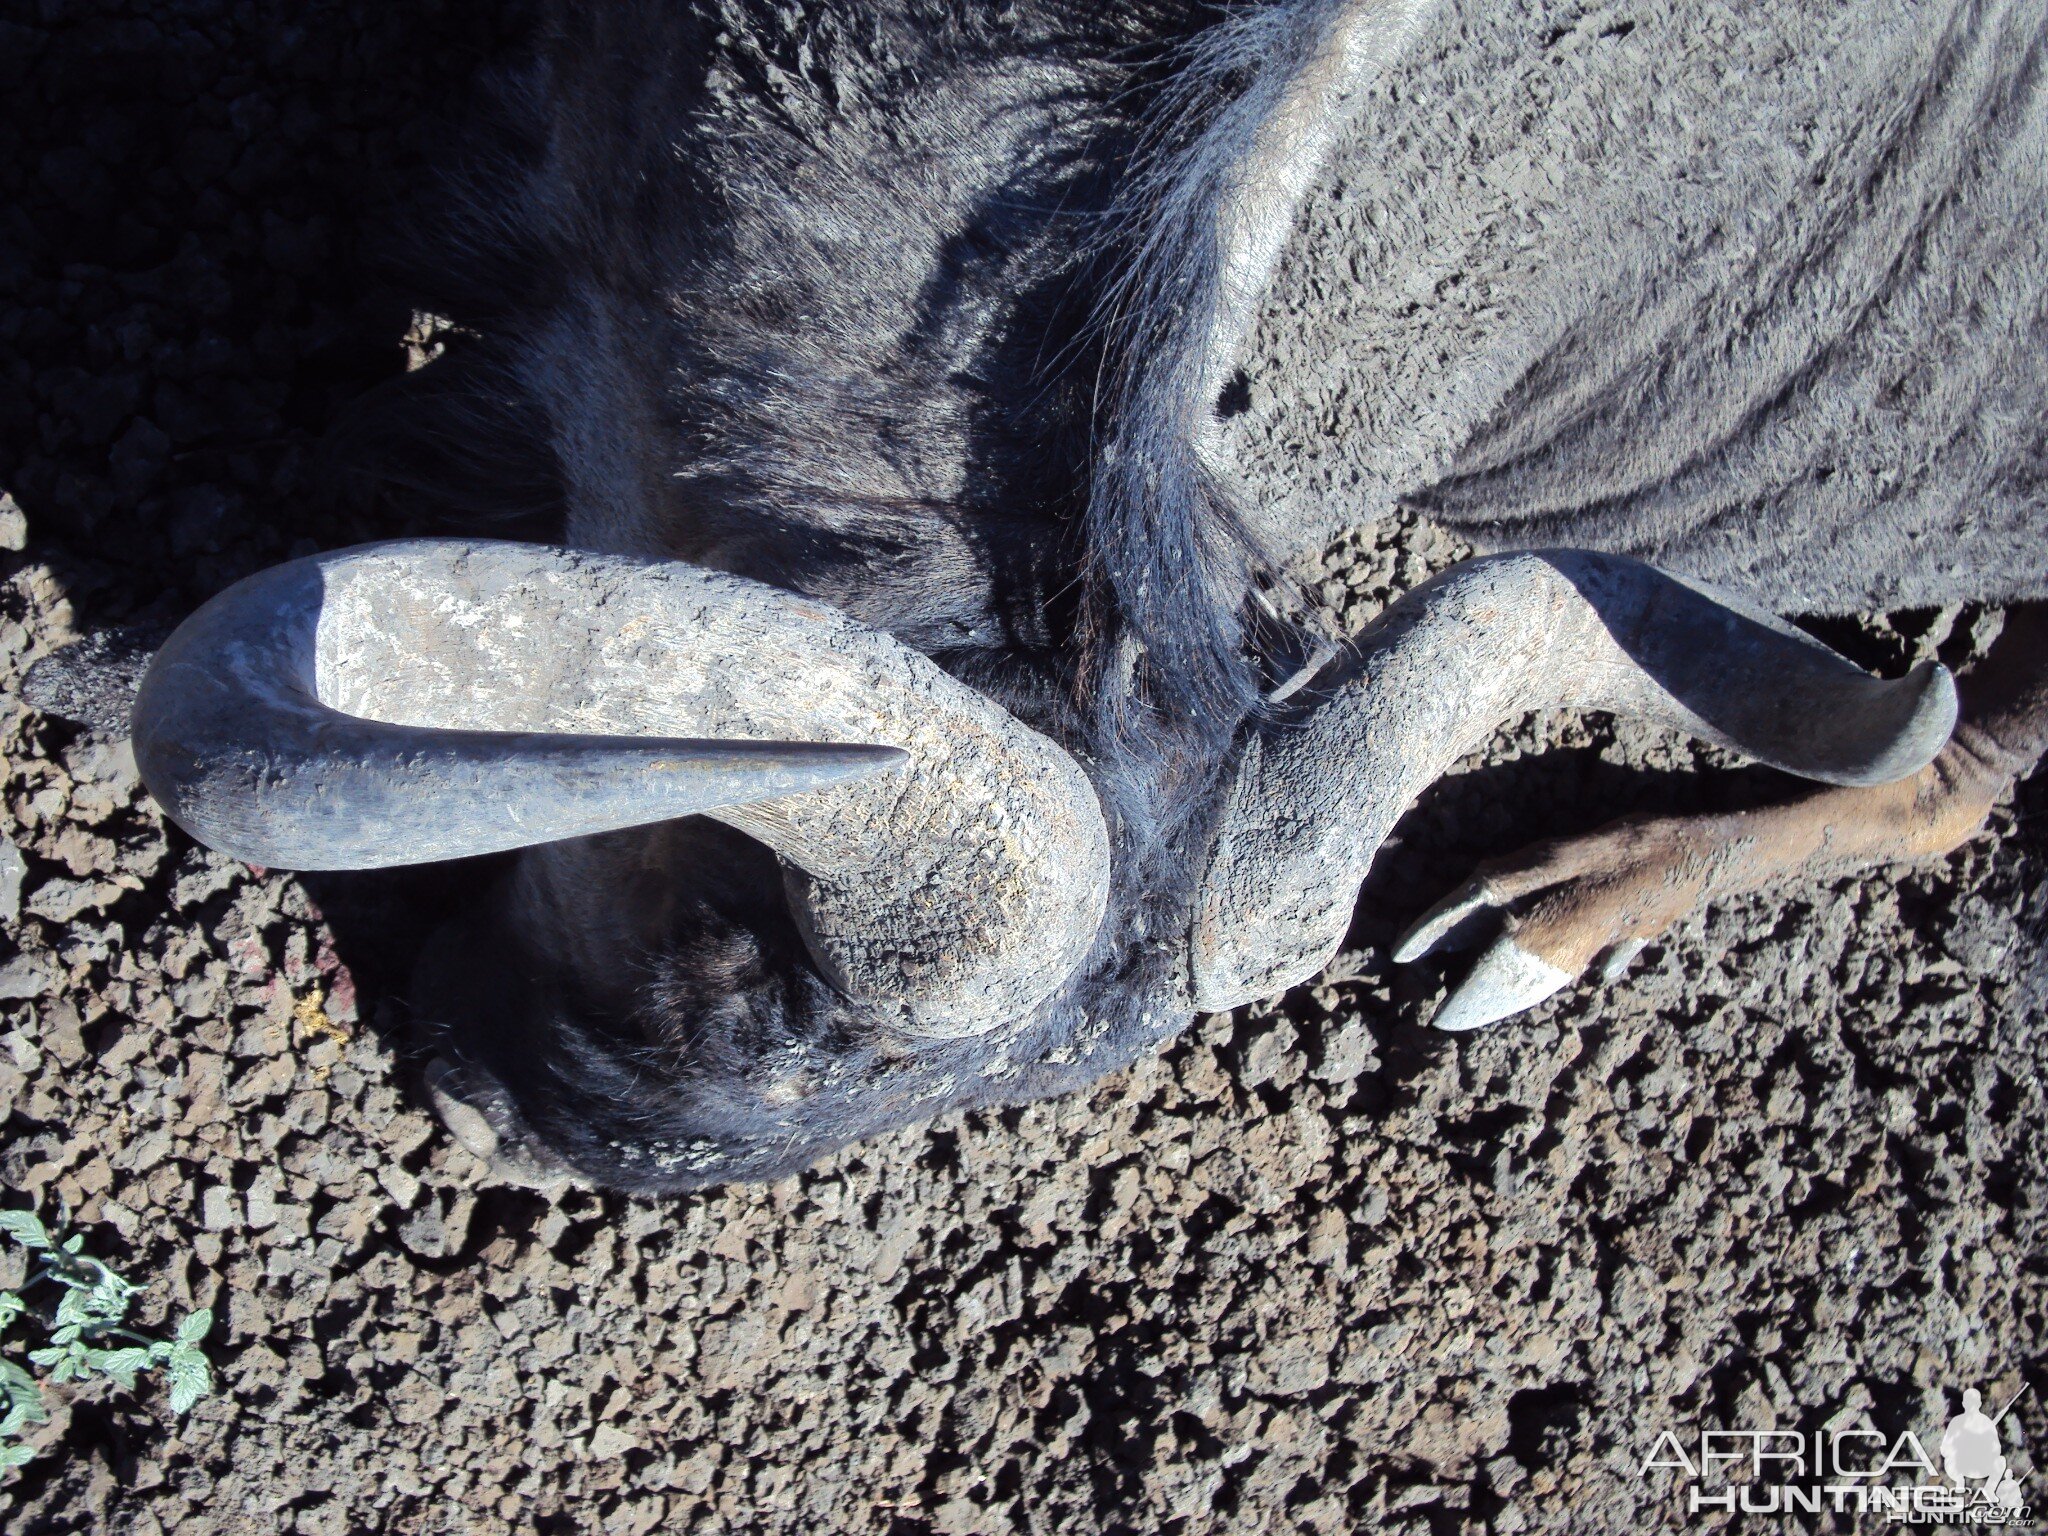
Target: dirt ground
[(1314, 1268)]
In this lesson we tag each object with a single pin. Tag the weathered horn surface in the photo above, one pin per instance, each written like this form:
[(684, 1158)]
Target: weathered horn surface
[(1485, 643), (428, 699)]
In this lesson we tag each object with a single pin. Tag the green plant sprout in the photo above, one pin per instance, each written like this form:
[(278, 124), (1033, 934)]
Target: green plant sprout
[(88, 1336)]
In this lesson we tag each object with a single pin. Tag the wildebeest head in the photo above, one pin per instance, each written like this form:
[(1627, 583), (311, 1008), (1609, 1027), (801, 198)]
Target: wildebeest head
[(909, 723)]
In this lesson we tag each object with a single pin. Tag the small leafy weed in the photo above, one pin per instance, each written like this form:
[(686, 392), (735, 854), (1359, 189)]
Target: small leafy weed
[(86, 1332)]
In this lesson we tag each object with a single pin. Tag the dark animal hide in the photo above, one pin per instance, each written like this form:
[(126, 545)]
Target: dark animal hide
[(901, 307)]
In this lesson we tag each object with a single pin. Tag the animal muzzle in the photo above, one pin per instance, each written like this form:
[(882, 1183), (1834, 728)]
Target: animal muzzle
[(430, 699)]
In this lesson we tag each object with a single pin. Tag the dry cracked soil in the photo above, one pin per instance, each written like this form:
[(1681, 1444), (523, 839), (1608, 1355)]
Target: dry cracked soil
[(1314, 1268)]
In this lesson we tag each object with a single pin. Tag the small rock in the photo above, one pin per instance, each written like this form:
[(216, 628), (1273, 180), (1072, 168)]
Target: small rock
[(1273, 1057), (13, 525), (28, 975), (219, 1209), (62, 1033), (12, 868), (1349, 1051), (263, 1207), (610, 1441), (122, 1219), (197, 520), (402, 1186), (60, 901), (23, 1051), (1372, 1210), (341, 997), (294, 1223), (138, 456), (424, 1233)]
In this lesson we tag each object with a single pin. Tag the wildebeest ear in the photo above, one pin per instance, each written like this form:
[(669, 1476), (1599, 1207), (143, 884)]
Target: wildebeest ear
[(1288, 122), (477, 995), (1200, 224)]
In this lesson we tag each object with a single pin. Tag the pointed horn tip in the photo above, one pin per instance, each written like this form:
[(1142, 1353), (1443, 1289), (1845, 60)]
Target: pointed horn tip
[(853, 759), (1937, 680), (1939, 703), (1925, 722)]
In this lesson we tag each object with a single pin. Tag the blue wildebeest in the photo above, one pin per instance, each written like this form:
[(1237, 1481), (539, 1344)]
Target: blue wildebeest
[(907, 711)]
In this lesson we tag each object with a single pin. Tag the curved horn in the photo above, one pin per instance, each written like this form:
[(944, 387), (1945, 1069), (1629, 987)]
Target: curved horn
[(427, 699), (1487, 642), (253, 736)]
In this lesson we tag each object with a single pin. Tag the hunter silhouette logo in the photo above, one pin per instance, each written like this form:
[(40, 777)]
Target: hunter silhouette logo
[(1853, 1469), (1971, 1453)]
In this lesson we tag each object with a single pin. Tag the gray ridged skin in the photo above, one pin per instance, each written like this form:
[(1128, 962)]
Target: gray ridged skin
[(1486, 643), (430, 699)]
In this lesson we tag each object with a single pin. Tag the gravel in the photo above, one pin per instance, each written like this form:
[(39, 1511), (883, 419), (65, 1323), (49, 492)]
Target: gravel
[(1312, 1268)]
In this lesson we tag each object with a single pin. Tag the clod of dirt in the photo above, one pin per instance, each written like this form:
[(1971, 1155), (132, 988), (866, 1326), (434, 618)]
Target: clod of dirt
[(12, 869)]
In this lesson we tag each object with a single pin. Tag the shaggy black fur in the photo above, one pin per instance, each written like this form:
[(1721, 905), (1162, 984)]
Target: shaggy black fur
[(900, 306)]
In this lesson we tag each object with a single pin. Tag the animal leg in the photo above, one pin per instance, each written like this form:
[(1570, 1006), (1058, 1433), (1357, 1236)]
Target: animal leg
[(1596, 900)]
